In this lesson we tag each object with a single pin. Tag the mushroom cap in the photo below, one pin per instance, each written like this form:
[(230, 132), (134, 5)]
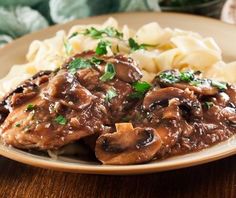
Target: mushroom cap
[(185, 97), (203, 87), (128, 145), (126, 69)]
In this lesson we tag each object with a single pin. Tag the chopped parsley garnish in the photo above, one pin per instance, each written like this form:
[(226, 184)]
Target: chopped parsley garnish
[(73, 35), (96, 61), (17, 125), (109, 74), (117, 48), (135, 46), (191, 78), (195, 83), (68, 47), (61, 120), (30, 107), (97, 34), (140, 88), (168, 77), (81, 63), (112, 32), (187, 76), (78, 63), (136, 95), (209, 104), (111, 93), (102, 47), (93, 32), (219, 85)]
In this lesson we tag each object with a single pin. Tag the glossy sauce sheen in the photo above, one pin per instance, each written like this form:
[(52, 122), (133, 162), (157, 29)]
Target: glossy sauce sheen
[(170, 119)]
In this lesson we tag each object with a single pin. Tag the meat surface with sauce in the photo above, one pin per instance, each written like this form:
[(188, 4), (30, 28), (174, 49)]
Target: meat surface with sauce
[(102, 101), (50, 111)]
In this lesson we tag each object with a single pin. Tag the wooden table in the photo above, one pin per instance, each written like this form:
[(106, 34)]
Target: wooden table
[(213, 180)]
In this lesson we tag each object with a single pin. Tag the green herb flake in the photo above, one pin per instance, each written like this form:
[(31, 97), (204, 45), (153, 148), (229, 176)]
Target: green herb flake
[(109, 72), (78, 63), (30, 107), (195, 83), (187, 76), (111, 93), (219, 85), (102, 47), (136, 95), (112, 32), (93, 32), (135, 46), (141, 86), (208, 105), (61, 120), (169, 78), (68, 47), (97, 34), (117, 48), (73, 35), (17, 125), (96, 61)]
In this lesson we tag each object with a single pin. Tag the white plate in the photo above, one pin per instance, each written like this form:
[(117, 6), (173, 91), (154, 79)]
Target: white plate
[(224, 34)]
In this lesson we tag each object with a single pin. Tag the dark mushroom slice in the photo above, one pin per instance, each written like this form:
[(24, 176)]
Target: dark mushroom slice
[(126, 69), (128, 145), (186, 98), (204, 89)]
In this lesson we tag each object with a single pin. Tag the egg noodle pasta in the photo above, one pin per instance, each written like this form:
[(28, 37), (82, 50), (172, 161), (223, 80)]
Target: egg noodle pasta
[(159, 49)]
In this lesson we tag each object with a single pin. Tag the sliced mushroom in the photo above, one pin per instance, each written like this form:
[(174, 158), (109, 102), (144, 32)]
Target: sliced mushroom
[(128, 145), (126, 69), (205, 89), (186, 98)]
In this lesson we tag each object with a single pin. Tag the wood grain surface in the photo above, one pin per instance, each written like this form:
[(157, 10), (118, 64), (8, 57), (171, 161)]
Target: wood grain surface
[(213, 180)]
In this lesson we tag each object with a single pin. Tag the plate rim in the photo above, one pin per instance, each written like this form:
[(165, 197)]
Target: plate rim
[(19, 156), (109, 169)]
